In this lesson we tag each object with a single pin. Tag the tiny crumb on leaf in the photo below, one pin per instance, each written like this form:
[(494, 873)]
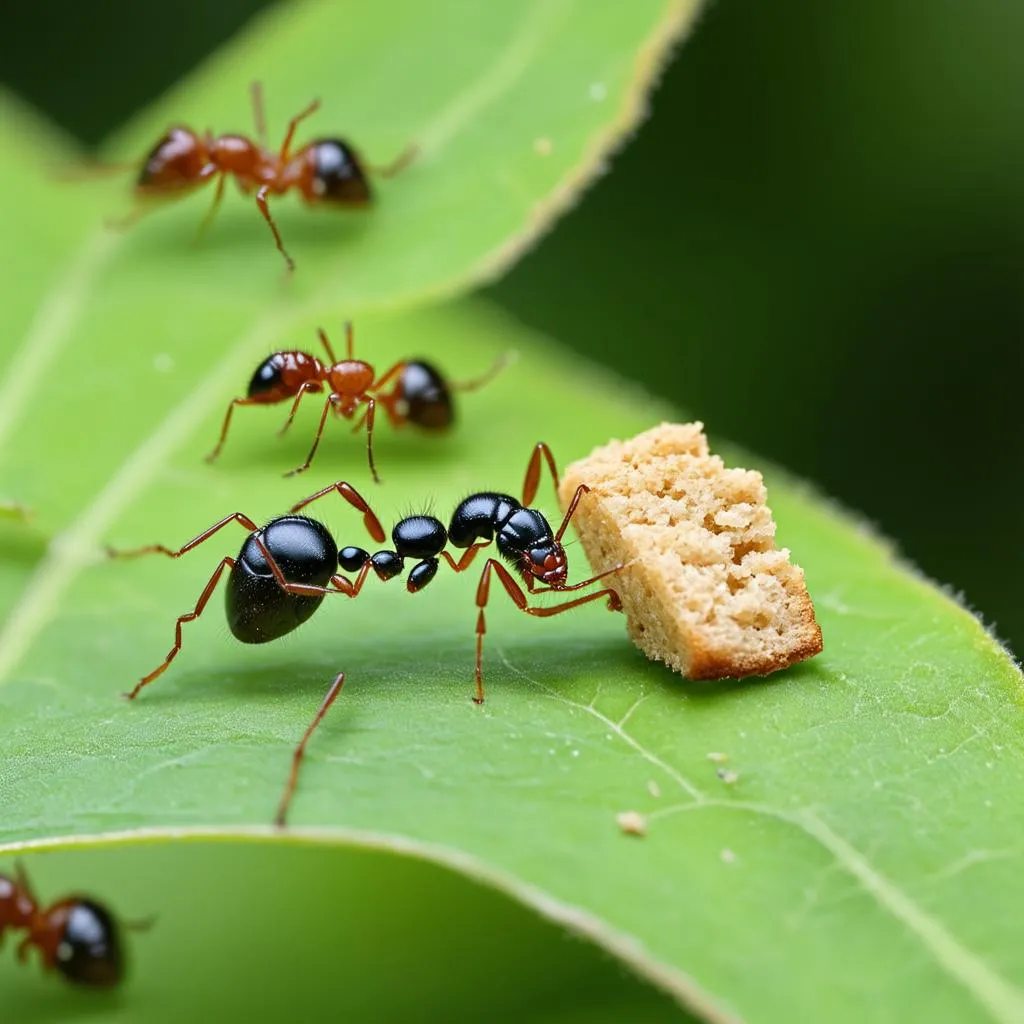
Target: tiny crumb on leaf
[(632, 823), (543, 146), (653, 788), (728, 776), (717, 756), (728, 857)]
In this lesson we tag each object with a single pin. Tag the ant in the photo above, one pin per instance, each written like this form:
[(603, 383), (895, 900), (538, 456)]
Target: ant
[(285, 569), (76, 935), (419, 394), (326, 170)]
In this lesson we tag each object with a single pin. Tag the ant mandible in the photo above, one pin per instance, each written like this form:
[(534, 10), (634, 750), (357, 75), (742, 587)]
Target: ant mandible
[(76, 935), (419, 395), (325, 171), (285, 569)]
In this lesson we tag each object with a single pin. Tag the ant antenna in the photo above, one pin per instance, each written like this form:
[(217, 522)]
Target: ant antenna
[(478, 382), (258, 112), (348, 338)]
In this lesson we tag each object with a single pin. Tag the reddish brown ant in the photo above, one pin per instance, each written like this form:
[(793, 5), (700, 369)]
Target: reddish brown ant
[(76, 935), (419, 394), (324, 171)]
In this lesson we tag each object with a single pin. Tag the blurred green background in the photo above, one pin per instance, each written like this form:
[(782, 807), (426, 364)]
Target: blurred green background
[(815, 245)]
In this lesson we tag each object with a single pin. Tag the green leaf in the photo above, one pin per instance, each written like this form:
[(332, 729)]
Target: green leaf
[(864, 863), (858, 866)]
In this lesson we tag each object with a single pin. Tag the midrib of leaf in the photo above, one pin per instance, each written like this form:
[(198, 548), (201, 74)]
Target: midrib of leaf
[(52, 326)]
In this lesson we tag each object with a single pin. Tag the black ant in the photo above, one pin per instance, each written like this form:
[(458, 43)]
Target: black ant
[(325, 171), (76, 935), (285, 569), (419, 394)]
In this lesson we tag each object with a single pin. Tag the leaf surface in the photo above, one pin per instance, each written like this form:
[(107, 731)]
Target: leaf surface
[(861, 860), (873, 806)]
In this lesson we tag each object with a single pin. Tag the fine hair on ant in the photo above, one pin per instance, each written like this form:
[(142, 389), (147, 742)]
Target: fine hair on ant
[(286, 568), (76, 936), (410, 391), (325, 172)]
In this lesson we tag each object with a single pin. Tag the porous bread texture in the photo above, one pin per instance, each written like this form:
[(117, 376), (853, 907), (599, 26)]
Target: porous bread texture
[(707, 592)]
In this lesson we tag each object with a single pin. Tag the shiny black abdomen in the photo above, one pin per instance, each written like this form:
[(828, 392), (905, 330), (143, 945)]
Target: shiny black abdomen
[(428, 400), (337, 173), (267, 376), (258, 610), (90, 949), (479, 516)]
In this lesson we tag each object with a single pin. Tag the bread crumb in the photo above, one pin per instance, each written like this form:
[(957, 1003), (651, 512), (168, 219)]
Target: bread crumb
[(543, 147), (704, 587), (728, 857), (717, 757), (729, 777), (632, 823), (654, 789)]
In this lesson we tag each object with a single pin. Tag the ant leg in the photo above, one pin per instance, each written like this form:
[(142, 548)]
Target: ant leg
[(400, 162), (258, 114), (204, 597), (282, 156), (147, 198), (485, 378), (261, 202), (483, 591), (300, 750), (571, 510), (356, 500), (531, 581), (24, 946), (532, 478), (307, 387), (136, 213), (325, 341), (367, 418), (388, 376), (159, 549), (515, 592), (371, 408), (316, 441), (227, 423), (467, 557), (218, 195)]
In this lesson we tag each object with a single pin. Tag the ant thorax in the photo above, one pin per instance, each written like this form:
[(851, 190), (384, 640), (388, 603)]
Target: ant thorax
[(350, 377)]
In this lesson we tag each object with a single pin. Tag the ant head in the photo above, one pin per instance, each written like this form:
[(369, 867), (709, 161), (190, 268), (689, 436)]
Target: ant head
[(548, 563), (88, 952)]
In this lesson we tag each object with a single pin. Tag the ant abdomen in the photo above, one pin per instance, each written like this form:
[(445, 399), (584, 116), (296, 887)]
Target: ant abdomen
[(258, 609), (89, 948), (282, 374), (174, 162), (337, 174), (426, 395)]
